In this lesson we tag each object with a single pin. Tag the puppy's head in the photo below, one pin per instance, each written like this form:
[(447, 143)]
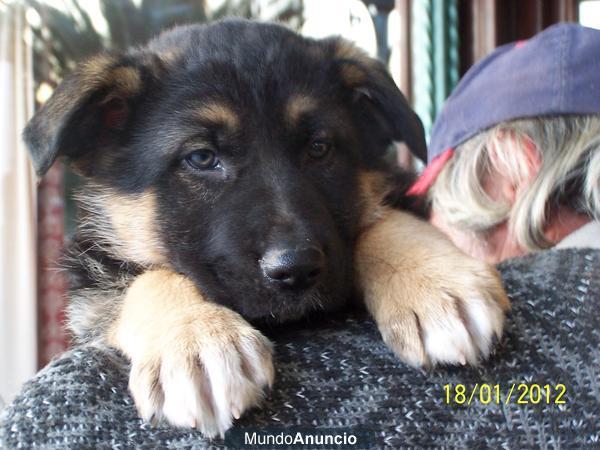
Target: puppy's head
[(234, 153)]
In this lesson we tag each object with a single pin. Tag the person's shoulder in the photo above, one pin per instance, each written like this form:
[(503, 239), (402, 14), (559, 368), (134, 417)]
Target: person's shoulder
[(587, 236), (546, 274)]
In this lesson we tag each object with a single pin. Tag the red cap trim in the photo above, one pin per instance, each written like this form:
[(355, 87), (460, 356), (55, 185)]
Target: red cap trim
[(422, 185), (520, 44)]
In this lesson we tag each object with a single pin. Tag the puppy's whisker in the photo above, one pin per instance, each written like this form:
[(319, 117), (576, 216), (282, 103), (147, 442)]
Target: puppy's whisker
[(317, 301)]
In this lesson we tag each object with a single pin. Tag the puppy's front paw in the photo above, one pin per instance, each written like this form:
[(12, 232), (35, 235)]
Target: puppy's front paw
[(446, 321), (432, 303), (193, 363), (207, 368)]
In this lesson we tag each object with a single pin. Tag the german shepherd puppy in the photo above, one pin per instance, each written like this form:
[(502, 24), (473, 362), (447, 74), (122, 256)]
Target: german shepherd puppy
[(237, 172)]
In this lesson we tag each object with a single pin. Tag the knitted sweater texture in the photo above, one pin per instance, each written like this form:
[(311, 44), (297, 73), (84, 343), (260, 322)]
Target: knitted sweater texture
[(336, 373)]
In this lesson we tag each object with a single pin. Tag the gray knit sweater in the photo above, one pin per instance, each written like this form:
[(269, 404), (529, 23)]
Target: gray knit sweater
[(335, 375)]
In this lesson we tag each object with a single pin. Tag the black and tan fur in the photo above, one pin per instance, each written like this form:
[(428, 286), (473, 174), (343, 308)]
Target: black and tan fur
[(175, 257)]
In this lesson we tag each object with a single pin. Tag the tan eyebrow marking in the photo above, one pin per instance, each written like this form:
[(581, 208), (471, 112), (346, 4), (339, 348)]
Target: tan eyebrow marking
[(218, 113), (128, 80), (297, 106)]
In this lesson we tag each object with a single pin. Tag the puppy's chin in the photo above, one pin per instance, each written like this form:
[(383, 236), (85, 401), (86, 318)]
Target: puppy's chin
[(258, 300), (295, 307), (280, 307)]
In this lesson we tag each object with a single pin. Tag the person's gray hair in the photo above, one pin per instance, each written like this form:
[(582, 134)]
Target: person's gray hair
[(565, 178)]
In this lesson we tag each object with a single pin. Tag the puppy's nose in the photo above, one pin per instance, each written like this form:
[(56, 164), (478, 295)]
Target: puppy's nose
[(293, 269)]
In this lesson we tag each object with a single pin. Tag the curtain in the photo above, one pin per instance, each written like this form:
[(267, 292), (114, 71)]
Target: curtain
[(18, 271), (53, 339), (435, 57)]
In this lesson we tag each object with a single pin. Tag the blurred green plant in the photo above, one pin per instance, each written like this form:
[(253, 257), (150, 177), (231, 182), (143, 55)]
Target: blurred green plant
[(67, 31)]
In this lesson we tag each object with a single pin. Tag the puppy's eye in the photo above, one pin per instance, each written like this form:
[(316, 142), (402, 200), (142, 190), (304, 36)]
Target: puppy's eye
[(202, 159), (319, 149)]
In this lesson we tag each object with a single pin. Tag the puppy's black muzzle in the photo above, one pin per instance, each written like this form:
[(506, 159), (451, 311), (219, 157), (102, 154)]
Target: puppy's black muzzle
[(296, 268)]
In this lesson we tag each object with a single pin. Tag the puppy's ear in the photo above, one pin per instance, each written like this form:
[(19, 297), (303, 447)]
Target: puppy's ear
[(90, 107), (374, 88)]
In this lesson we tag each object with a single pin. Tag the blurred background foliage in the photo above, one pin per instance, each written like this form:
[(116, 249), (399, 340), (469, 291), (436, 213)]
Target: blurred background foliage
[(67, 31)]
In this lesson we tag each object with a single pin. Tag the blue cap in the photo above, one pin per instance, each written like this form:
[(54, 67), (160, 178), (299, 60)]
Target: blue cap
[(555, 72)]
